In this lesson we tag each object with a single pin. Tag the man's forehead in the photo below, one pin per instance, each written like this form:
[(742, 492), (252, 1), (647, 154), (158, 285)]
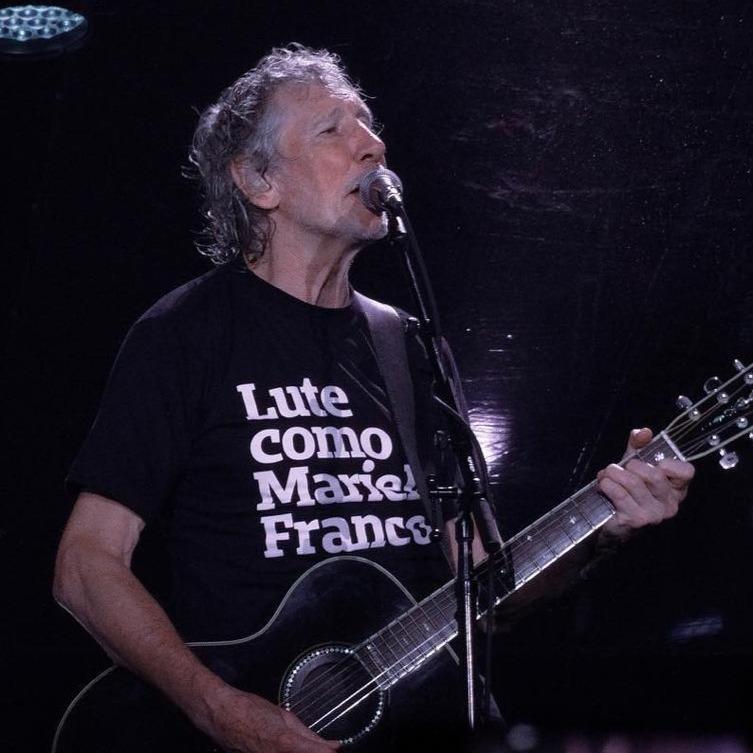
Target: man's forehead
[(316, 100)]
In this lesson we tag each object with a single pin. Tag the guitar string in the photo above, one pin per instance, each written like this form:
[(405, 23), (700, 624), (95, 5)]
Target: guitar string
[(577, 501), (439, 608), (676, 438), (687, 427), (341, 668), (683, 429), (406, 662), (431, 610), (702, 446), (515, 546), (700, 442), (428, 608), (348, 708), (352, 705), (386, 667), (401, 664), (432, 604), (690, 447), (680, 433), (690, 423)]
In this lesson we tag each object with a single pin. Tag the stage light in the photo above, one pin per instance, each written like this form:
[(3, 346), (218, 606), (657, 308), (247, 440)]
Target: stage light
[(40, 30)]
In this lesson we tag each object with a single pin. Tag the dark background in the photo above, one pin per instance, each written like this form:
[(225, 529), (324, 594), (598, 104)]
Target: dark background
[(579, 174)]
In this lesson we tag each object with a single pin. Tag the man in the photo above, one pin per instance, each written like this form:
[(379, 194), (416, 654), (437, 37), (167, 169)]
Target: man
[(247, 406)]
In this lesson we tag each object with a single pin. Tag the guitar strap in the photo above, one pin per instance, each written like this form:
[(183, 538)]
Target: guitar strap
[(388, 335), (387, 331)]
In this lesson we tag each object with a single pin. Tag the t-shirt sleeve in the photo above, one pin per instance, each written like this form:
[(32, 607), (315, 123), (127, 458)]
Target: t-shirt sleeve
[(140, 438)]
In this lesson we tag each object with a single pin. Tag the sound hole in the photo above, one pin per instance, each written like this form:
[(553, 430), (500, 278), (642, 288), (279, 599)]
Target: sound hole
[(331, 692)]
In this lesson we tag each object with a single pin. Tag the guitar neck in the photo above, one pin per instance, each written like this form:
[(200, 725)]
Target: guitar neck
[(542, 543), (408, 641)]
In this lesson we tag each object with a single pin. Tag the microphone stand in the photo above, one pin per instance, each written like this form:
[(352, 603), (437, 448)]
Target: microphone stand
[(462, 442)]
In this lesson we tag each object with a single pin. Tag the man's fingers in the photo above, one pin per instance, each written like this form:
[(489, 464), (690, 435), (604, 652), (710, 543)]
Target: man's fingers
[(655, 479), (642, 481), (296, 743), (678, 472), (641, 493), (304, 745), (321, 746), (636, 491), (295, 724), (637, 439), (624, 505)]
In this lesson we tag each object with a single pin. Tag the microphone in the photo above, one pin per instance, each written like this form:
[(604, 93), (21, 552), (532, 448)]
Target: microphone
[(381, 189)]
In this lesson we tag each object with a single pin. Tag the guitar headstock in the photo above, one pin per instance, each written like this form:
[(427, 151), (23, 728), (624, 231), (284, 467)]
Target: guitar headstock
[(716, 420)]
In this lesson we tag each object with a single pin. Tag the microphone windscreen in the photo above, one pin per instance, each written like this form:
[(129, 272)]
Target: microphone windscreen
[(373, 186)]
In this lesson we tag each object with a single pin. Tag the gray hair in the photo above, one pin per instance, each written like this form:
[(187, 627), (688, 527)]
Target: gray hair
[(242, 125)]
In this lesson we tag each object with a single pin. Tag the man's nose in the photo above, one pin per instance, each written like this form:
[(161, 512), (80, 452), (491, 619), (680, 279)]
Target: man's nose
[(370, 146)]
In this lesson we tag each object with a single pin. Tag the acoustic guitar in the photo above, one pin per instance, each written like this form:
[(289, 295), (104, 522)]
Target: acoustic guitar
[(352, 654)]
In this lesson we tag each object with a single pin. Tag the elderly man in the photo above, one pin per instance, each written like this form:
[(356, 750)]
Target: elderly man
[(247, 407)]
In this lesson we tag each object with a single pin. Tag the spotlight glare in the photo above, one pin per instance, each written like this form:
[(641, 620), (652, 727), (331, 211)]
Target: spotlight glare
[(40, 30)]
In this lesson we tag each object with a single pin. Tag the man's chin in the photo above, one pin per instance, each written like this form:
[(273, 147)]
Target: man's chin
[(363, 232), (378, 228)]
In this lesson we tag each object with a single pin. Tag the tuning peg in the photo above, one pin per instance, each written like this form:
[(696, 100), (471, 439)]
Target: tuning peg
[(742, 422), (683, 402), (722, 398), (712, 385), (714, 440), (740, 366), (728, 460)]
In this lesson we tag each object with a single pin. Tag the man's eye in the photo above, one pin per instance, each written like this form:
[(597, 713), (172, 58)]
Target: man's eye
[(331, 129)]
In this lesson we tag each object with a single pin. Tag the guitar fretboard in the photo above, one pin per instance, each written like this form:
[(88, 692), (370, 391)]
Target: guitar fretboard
[(409, 640)]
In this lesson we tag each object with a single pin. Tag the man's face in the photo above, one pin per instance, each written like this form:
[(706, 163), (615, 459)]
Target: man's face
[(325, 145)]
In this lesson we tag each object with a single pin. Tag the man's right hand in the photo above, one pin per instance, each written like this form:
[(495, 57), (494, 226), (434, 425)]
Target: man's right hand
[(94, 582), (246, 723)]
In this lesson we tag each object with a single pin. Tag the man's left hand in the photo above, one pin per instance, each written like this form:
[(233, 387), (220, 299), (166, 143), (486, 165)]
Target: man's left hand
[(643, 494)]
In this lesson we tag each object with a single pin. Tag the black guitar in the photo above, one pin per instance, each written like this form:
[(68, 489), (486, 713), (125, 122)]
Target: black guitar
[(351, 653)]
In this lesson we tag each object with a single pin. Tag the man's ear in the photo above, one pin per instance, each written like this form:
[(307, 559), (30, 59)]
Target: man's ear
[(257, 188)]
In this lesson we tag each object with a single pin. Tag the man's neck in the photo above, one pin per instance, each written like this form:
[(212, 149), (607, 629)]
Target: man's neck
[(314, 274)]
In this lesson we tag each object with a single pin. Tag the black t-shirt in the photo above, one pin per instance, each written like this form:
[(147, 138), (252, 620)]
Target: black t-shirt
[(258, 425)]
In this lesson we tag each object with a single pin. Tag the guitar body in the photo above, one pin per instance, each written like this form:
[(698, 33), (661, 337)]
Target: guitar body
[(335, 605)]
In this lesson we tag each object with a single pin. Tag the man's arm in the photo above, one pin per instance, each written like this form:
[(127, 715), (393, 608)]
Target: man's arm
[(94, 582), (641, 494)]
